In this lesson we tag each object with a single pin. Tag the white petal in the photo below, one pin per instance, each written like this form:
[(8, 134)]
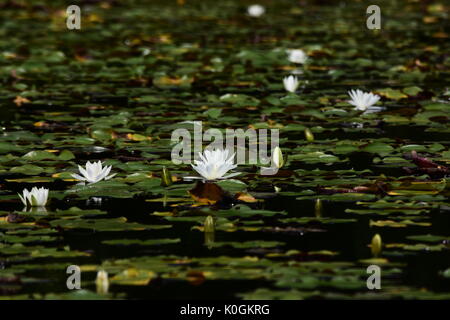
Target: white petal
[(234, 174), (77, 176), (110, 176), (24, 199)]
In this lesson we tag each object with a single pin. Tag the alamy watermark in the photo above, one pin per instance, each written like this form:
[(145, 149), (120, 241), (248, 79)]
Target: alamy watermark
[(74, 280), (73, 21), (374, 20), (256, 151), (374, 280)]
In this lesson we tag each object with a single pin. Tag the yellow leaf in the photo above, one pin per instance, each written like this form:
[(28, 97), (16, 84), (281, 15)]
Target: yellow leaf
[(245, 197), (20, 100)]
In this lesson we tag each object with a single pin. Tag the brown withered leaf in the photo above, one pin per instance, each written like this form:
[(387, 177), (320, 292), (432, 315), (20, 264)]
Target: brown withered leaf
[(15, 218), (425, 165), (207, 193)]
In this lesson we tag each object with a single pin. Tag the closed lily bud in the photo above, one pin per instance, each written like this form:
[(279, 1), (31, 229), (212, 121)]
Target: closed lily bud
[(209, 239), (277, 157), (318, 208), (209, 224), (166, 177), (102, 282), (376, 245), (309, 135)]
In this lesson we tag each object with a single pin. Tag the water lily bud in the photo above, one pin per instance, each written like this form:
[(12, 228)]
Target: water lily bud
[(277, 157), (309, 135), (209, 224), (102, 282), (209, 239), (376, 245), (166, 177), (318, 208)]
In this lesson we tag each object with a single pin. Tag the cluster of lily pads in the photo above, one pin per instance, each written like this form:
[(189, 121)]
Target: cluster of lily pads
[(303, 233), (213, 164)]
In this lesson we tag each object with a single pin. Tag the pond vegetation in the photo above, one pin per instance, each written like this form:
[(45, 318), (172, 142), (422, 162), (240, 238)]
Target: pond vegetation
[(361, 183)]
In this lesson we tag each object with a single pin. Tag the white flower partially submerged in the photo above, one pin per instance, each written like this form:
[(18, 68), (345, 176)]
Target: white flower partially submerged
[(297, 56), (94, 172), (290, 83), (256, 10), (214, 164), (34, 198), (362, 100)]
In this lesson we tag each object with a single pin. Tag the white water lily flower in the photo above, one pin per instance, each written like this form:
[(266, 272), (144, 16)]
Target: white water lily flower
[(297, 56), (214, 164), (291, 83), (34, 198), (256, 10), (362, 100), (94, 172)]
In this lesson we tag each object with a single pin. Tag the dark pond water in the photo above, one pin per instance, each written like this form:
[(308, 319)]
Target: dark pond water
[(116, 90)]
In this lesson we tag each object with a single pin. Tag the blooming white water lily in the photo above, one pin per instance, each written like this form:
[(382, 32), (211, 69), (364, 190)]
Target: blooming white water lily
[(362, 100), (94, 172), (291, 83), (34, 198), (277, 157), (297, 56), (256, 10), (213, 165)]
